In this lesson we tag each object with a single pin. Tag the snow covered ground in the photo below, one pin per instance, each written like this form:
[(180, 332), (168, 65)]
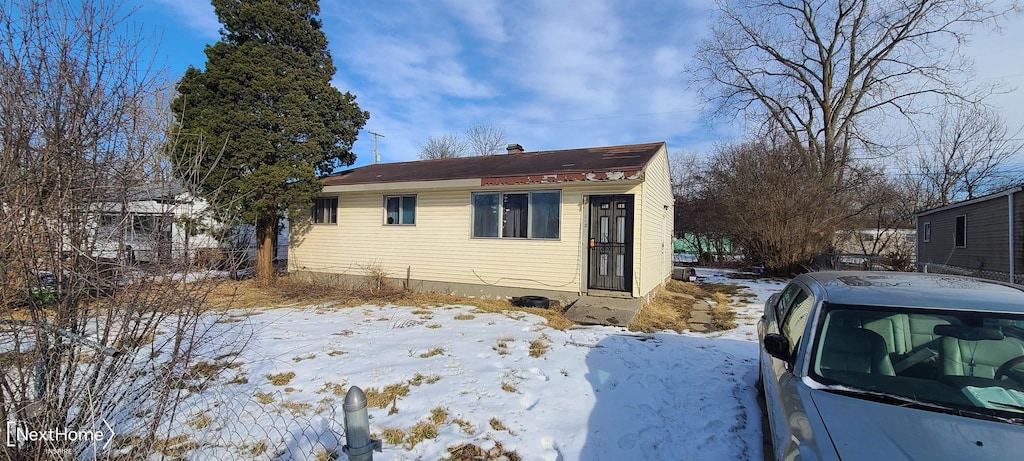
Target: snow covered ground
[(595, 393)]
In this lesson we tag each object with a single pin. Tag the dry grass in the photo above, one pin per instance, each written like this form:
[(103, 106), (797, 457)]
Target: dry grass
[(722, 317), (470, 452), (297, 408), (303, 357), (334, 388), (673, 305), (422, 312), (256, 449), (508, 387), (497, 425), (200, 421), (392, 435), (432, 352), (434, 325), (501, 345), (265, 398), (539, 346), (419, 379), (423, 430), (665, 312), (438, 416), (326, 455), (464, 425), (388, 396), (335, 353), (281, 379), (293, 291), (175, 447), (465, 317)]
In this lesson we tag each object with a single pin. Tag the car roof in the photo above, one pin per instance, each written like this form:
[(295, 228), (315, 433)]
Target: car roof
[(915, 290)]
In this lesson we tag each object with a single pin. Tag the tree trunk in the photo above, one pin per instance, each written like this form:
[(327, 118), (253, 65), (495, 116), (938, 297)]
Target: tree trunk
[(265, 248)]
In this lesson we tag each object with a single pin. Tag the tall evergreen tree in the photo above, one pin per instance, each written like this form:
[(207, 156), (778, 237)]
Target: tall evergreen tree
[(265, 106)]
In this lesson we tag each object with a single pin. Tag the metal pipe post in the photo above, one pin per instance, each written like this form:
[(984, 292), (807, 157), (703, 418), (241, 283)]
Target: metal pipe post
[(358, 444)]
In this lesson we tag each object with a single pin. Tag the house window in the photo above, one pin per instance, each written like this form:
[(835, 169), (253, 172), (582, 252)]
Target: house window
[(400, 210), (960, 240), (868, 237), (926, 230), (325, 210), (533, 215)]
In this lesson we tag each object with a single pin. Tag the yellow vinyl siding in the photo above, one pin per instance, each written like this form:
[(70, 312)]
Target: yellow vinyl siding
[(440, 247), (654, 258)]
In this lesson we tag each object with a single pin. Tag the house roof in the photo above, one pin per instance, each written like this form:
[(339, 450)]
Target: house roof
[(983, 198), (588, 164)]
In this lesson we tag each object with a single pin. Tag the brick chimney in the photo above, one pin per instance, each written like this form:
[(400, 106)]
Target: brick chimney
[(514, 149)]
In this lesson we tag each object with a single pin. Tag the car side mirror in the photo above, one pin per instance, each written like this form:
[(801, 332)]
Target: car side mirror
[(777, 346)]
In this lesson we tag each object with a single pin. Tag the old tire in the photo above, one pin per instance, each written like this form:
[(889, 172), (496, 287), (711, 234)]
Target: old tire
[(533, 301)]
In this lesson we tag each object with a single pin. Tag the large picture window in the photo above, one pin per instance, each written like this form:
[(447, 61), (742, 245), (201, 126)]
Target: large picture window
[(325, 210), (400, 210), (533, 215)]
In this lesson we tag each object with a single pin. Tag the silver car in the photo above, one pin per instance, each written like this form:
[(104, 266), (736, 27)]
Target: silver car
[(894, 366)]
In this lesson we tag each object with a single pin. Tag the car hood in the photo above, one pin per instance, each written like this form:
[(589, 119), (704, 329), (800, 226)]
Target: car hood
[(864, 429)]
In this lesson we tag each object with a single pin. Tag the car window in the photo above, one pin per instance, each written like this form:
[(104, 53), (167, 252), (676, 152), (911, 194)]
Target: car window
[(785, 301), (796, 318)]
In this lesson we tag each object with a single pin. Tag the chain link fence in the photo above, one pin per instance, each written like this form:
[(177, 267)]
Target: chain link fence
[(985, 274)]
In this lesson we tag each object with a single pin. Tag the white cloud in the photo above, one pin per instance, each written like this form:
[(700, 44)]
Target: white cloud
[(197, 15), (482, 16)]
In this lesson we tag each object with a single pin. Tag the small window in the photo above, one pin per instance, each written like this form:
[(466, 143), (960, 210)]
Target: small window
[(109, 219), (960, 240), (926, 229), (524, 215), (400, 210), (868, 237), (325, 210)]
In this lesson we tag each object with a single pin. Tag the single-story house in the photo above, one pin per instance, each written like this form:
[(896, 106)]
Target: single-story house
[(983, 236), (552, 223)]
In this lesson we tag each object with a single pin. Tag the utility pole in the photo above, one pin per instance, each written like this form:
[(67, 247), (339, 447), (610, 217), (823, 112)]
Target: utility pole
[(376, 156)]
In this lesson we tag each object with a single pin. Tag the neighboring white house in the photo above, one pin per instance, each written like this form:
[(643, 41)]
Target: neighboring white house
[(552, 223), (168, 225)]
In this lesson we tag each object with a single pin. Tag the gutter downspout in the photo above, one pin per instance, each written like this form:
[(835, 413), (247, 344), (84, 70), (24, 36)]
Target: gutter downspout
[(1013, 273)]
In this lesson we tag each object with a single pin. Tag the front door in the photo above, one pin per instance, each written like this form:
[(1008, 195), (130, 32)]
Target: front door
[(610, 245)]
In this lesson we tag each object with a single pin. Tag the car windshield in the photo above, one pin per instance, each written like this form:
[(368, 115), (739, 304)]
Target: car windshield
[(958, 359)]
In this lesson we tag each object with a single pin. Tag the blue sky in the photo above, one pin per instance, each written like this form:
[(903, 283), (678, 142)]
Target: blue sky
[(553, 74)]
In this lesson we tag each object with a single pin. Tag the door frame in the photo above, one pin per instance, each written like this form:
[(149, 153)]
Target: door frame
[(629, 248)]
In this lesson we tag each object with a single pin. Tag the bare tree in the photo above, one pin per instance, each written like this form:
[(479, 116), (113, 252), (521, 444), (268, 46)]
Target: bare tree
[(769, 201), (86, 334), (485, 140), (963, 154), (445, 146), (698, 220), (818, 70)]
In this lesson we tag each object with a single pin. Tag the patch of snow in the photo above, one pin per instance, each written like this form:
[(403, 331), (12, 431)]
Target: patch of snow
[(598, 393)]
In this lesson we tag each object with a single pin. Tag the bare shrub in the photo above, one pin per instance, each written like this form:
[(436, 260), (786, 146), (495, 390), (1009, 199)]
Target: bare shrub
[(91, 332)]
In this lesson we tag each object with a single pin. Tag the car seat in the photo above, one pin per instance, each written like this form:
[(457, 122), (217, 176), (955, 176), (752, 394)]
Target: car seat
[(855, 349), (986, 355)]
